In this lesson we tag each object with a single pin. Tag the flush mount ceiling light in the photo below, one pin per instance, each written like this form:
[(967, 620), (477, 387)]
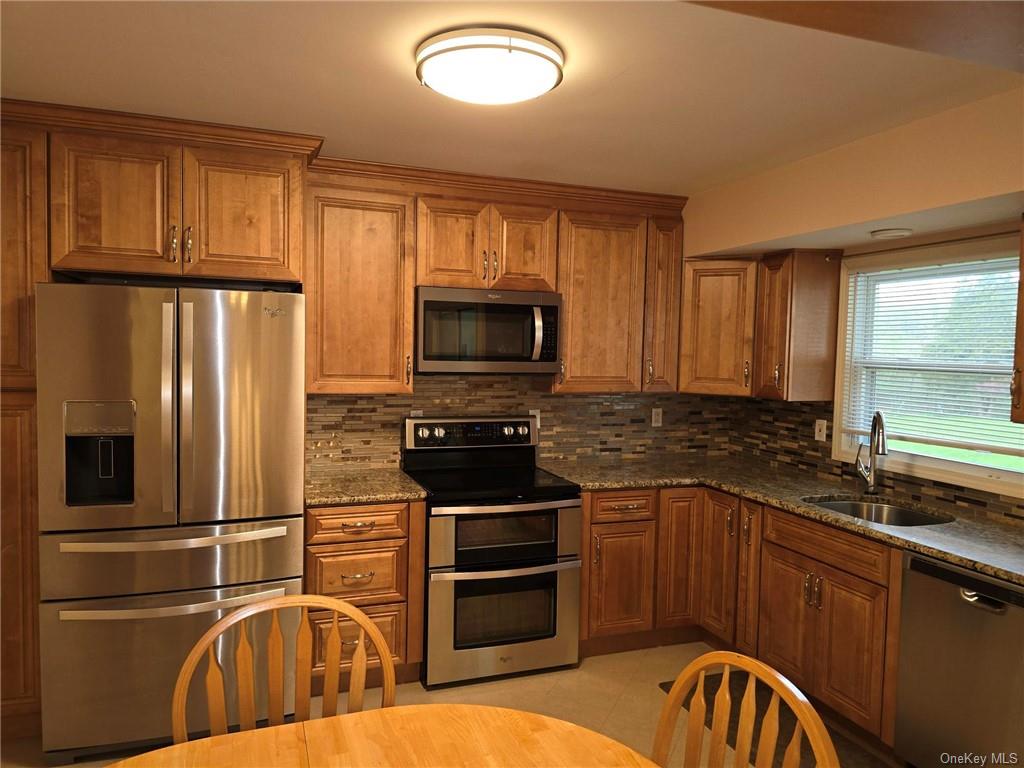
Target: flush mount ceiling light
[(489, 65), (891, 234)]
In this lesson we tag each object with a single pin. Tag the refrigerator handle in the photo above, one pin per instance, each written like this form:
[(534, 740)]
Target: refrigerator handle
[(187, 411), (167, 441)]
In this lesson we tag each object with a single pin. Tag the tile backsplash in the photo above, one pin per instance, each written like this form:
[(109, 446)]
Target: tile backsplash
[(366, 429)]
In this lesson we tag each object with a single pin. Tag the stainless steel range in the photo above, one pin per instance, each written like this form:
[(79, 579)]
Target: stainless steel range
[(503, 549), (170, 493)]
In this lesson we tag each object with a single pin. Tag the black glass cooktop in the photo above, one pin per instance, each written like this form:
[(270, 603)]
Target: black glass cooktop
[(494, 485)]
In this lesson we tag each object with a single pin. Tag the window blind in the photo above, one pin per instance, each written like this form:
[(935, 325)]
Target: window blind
[(932, 348)]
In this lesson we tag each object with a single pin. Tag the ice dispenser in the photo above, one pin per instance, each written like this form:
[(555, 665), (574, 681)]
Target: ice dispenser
[(99, 453)]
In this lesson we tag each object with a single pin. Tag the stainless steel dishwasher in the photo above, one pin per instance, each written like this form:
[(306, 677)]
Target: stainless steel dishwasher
[(961, 666)]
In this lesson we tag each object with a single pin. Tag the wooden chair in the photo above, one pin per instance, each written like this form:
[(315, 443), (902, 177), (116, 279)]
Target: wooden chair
[(215, 697), (807, 720)]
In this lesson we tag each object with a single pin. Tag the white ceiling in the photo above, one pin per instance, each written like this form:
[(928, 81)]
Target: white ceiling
[(660, 97)]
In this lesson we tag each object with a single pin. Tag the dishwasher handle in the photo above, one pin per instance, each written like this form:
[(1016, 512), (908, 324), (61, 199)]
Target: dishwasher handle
[(978, 591), (982, 602)]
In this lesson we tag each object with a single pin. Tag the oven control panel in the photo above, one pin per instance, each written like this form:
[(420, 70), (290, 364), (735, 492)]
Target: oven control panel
[(470, 433)]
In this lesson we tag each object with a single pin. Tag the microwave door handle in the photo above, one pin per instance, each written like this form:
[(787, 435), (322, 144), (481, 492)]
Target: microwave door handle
[(538, 333)]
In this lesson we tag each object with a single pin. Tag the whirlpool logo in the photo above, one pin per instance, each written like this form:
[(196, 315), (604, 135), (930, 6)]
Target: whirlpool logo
[(273, 312)]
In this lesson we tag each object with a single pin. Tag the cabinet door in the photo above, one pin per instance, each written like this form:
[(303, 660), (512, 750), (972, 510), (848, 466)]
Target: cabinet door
[(771, 354), (243, 214), (524, 247), (1017, 388), (849, 649), (601, 265), (748, 577), (19, 652), (661, 305), (785, 636), (23, 259), (115, 204), (621, 578), (359, 286), (680, 523), (452, 245), (718, 327), (718, 565)]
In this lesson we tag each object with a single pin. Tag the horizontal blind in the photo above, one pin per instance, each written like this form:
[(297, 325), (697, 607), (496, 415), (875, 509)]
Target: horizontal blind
[(932, 348)]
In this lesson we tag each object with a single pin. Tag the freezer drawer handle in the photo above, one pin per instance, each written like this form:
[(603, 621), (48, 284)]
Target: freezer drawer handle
[(502, 509), (982, 602), (509, 574), (162, 545), (170, 610)]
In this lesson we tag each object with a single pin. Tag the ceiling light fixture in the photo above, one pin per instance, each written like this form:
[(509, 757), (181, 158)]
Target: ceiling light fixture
[(891, 234), (489, 65)]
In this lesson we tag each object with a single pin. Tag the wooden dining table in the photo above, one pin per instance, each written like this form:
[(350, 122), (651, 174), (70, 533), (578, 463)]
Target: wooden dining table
[(447, 735)]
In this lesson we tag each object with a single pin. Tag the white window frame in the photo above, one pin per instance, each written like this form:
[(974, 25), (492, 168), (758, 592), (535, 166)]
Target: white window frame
[(1001, 481)]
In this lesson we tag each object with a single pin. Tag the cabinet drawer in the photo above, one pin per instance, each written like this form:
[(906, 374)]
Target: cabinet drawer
[(847, 551), (367, 573), (620, 506), (338, 525), (390, 620)]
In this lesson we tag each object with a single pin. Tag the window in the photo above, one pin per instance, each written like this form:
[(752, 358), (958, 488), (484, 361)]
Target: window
[(927, 339)]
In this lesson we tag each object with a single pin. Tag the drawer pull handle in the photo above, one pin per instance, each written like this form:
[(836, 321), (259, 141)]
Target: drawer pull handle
[(368, 576), (350, 643), (363, 526), (626, 507)]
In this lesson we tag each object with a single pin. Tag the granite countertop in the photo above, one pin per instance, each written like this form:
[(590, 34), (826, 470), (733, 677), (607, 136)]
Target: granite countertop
[(980, 543), (362, 485)]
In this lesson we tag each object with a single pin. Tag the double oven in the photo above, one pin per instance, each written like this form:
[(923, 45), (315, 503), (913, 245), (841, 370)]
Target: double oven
[(503, 556)]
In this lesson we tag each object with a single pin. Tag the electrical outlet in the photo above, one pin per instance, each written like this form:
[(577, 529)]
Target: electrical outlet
[(536, 412), (416, 414), (655, 417), (820, 428)]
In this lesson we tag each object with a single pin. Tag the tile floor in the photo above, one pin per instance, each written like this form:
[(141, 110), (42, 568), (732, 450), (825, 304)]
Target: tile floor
[(617, 695)]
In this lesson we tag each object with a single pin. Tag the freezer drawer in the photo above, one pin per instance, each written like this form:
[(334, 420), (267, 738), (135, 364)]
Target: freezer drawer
[(109, 666), (109, 563)]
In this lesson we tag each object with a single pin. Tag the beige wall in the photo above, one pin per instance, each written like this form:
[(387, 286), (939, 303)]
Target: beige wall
[(965, 154)]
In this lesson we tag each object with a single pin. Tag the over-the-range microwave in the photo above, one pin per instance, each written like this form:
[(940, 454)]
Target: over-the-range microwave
[(468, 330)]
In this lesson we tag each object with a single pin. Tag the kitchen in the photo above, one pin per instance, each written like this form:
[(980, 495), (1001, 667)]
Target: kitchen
[(515, 413)]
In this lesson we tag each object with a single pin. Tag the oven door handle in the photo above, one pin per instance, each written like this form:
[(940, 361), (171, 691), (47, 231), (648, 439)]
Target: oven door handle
[(504, 509), (508, 574)]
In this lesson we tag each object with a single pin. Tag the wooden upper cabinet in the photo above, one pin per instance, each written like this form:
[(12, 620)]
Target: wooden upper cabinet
[(680, 528), (242, 214), (718, 565), (1017, 386), (717, 350), (748, 576), (621, 578), (24, 256), (661, 305), (601, 265), (115, 204), (797, 314), (524, 247), (452, 243), (359, 292)]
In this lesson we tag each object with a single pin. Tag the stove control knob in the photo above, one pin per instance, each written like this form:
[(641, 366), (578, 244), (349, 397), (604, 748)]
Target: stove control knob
[(423, 433), (523, 430), (439, 432), (508, 430)]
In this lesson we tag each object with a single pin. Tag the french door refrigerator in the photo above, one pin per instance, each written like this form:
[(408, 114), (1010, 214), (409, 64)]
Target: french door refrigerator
[(170, 439)]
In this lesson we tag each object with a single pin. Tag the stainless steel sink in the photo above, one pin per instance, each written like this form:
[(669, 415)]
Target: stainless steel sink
[(880, 511)]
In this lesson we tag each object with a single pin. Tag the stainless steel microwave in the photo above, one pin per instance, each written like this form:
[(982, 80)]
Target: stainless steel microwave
[(466, 330)]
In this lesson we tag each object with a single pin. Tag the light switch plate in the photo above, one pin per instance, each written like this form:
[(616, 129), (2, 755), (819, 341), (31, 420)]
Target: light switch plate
[(820, 428), (655, 417), (536, 412)]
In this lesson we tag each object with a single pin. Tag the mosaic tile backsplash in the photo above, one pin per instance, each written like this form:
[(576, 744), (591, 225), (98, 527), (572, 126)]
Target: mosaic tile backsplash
[(366, 430)]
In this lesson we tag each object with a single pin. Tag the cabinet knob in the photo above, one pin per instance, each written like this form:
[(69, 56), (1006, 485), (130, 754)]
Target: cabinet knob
[(408, 369), (561, 371), (777, 376), (650, 370), (746, 372)]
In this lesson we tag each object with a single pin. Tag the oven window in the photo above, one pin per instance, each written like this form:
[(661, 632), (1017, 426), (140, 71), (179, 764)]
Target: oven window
[(504, 611), (488, 531), (454, 330)]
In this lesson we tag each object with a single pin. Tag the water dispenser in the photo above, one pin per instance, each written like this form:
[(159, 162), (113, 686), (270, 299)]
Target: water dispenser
[(99, 452)]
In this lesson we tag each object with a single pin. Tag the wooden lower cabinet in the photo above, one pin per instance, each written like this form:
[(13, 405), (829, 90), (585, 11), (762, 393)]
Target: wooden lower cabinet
[(718, 565), (390, 620), (748, 577), (621, 578), (680, 531), (785, 634)]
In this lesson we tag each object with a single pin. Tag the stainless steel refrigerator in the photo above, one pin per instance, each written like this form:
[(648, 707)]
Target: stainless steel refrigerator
[(170, 438)]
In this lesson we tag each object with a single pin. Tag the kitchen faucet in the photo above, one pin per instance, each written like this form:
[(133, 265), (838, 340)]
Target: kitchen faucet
[(877, 447)]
